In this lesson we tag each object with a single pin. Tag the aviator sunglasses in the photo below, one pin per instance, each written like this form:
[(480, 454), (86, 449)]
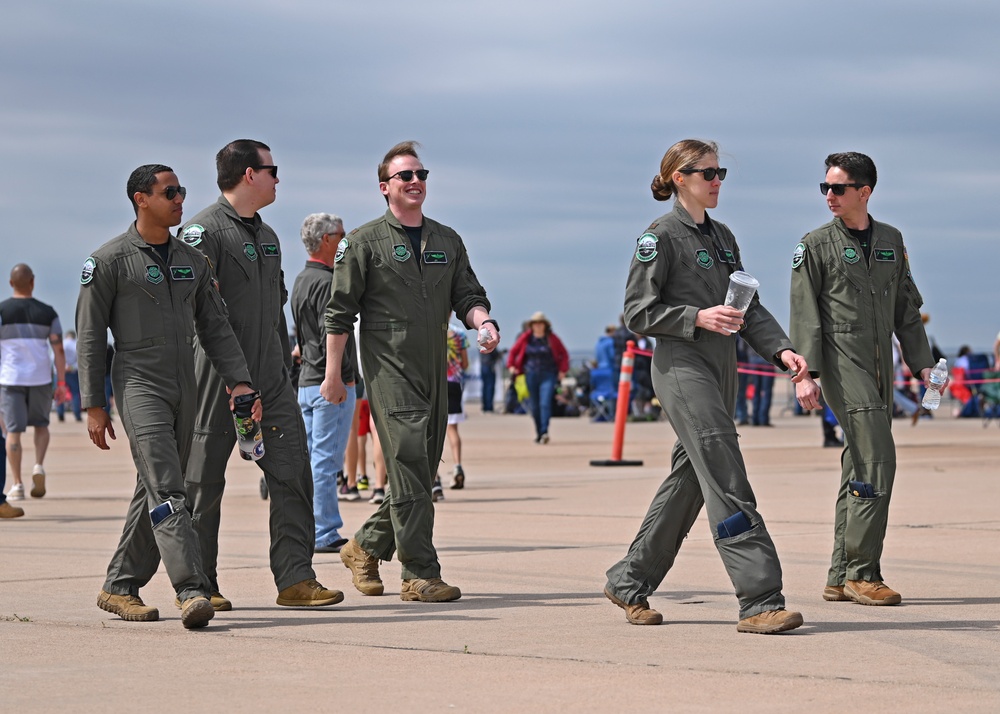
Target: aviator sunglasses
[(171, 192), (709, 174), (837, 188), (273, 169), (408, 175)]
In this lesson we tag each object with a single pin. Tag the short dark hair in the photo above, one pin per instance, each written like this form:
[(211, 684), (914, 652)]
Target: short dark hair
[(860, 168), (234, 159), (404, 148), (142, 180)]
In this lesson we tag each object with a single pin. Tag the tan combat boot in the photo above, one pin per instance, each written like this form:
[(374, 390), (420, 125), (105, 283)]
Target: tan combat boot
[(127, 607), (308, 593), (364, 568), (9, 511), (871, 593), (835, 593), (196, 612), (639, 613), (429, 590), (219, 602), (770, 622)]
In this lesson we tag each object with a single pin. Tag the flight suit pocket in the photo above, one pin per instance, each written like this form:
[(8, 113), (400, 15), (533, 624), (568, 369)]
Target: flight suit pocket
[(751, 562), (866, 523), (407, 425)]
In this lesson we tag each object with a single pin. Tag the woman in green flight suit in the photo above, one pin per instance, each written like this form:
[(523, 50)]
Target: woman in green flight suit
[(676, 286)]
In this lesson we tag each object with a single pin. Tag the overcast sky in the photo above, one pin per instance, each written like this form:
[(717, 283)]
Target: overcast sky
[(542, 124)]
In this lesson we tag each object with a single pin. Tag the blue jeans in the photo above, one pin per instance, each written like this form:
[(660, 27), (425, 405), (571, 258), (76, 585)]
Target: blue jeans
[(327, 429), (489, 387), (73, 382), (542, 388)]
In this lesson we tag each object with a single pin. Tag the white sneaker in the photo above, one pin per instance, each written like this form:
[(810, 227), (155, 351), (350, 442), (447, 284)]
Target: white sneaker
[(437, 493), (38, 481), (16, 492)]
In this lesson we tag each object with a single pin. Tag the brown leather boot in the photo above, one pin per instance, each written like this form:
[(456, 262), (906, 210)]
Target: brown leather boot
[(363, 567), (127, 607), (308, 593), (428, 590), (835, 593), (196, 612), (871, 593), (639, 613), (770, 622)]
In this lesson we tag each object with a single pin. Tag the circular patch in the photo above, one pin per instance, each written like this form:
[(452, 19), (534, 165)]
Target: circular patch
[(89, 266), (799, 255), (193, 234), (341, 249), (645, 249)]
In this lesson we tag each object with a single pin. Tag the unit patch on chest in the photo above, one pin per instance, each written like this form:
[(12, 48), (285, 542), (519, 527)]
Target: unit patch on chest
[(250, 251), (401, 252), (153, 274), (885, 255), (432, 257), (704, 258), (270, 250), (851, 255), (181, 272)]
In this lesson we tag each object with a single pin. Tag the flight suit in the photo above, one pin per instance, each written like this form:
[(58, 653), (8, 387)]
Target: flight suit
[(676, 271), (247, 262), (404, 301), (155, 311), (844, 312)]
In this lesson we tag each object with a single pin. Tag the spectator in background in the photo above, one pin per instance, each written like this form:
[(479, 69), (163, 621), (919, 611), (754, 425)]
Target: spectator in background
[(996, 352), (72, 378), (762, 380), (605, 352), (540, 355), (458, 362), (28, 328), (622, 336), (488, 373), (642, 377), (742, 382)]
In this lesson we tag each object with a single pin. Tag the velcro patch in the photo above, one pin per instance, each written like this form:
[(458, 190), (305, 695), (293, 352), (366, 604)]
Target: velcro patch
[(432, 257), (193, 234), (181, 272), (89, 266)]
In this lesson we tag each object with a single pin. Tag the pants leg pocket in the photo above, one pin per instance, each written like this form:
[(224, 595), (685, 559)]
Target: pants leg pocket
[(752, 564)]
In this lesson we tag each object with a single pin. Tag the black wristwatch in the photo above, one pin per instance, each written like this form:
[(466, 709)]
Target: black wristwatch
[(493, 322)]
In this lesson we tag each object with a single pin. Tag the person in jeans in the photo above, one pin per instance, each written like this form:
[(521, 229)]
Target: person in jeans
[(540, 355), (328, 426)]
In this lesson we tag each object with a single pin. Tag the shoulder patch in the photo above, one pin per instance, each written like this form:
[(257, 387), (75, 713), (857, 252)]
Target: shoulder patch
[(193, 234), (341, 250), (89, 266), (799, 255), (645, 249)]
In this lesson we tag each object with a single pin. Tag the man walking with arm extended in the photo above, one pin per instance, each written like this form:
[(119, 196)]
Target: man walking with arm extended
[(403, 273), (851, 289)]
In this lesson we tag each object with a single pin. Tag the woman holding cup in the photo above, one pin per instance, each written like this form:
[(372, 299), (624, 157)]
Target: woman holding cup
[(676, 291)]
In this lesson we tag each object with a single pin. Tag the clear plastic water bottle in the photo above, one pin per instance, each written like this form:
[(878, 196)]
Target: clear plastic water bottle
[(938, 376), (248, 432)]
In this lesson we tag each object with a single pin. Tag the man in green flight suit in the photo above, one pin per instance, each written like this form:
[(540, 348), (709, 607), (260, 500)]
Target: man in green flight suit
[(851, 289), (155, 294), (246, 256), (403, 273)]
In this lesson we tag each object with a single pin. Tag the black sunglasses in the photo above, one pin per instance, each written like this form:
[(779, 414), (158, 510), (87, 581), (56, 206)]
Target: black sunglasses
[(709, 174), (838, 188), (408, 175), (170, 192), (273, 169)]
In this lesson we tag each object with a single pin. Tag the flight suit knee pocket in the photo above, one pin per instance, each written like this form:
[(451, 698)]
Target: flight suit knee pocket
[(208, 458), (408, 429), (751, 562)]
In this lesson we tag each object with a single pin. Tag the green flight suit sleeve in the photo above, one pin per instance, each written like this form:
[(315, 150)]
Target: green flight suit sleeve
[(645, 313), (93, 316), (466, 290), (909, 328), (806, 324), (347, 286), (215, 334)]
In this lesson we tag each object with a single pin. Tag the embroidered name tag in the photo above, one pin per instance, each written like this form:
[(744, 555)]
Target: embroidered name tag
[(886, 256), (435, 256), (270, 250), (725, 256), (181, 272)]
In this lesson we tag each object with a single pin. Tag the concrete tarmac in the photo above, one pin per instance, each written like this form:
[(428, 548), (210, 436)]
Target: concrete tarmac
[(528, 541)]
